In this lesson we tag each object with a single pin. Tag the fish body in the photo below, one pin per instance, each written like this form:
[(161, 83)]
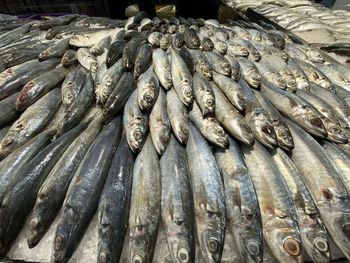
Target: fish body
[(204, 95), (161, 67)]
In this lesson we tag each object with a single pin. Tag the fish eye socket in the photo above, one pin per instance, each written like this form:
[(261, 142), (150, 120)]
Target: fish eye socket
[(292, 246), (183, 255), (213, 245), (321, 244), (253, 247), (317, 122), (137, 259)]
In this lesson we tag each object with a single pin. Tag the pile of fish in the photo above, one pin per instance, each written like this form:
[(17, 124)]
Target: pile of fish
[(221, 134)]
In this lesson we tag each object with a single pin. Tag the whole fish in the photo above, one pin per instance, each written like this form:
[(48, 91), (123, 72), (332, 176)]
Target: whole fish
[(208, 196), (12, 79), (258, 119), (79, 207), (53, 191), (182, 79), (73, 85), (242, 207), (14, 34), (135, 123), (218, 63), (231, 89), (230, 118), (178, 116), (143, 59), (204, 95), (130, 52), (296, 109), (115, 52), (69, 58), (278, 214), (145, 206), (87, 40), (191, 38), (147, 89), (161, 67), (87, 60), (235, 69), (312, 231), (103, 45), (284, 137), (20, 199), (113, 219), (201, 63), (329, 193), (119, 96), (209, 127), (8, 110), (108, 81), (27, 126), (249, 73), (55, 51), (177, 204), (38, 87)]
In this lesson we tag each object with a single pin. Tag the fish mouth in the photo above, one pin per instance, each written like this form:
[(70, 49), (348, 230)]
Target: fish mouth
[(223, 142)]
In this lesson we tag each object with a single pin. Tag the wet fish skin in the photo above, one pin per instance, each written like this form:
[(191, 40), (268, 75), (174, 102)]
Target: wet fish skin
[(178, 40), (181, 77), (145, 206), (204, 95), (329, 193), (147, 89), (296, 109), (166, 41), (26, 127), (249, 73), (119, 96), (135, 123), (20, 199), (113, 220), (284, 138), (191, 38), (271, 75), (161, 67), (55, 51), (242, 206), (53, 191), (278, 214), (300, 77), (235, 69), (154, 39), (143, 59), (39, 86), (14, 34), (88, 39), (115, 52), (237, 50), (8, 110), (130, 52), (57, 21), (177, 205), (187, 58), (208, 196), (209, 127), (69, 58), (87, 60), (99, 48), (201, 63), (219, 45), (178, 116), (159, 124), (218, 63)]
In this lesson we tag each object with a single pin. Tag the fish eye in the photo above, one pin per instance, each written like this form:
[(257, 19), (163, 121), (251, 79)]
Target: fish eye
[(321, 244), (183, 255), (137, 259), (253, 247), (317, 122), (213, 245), (292, 246), (268, 130)]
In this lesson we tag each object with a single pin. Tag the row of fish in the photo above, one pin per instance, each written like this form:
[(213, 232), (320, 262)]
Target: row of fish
[(210, 130)]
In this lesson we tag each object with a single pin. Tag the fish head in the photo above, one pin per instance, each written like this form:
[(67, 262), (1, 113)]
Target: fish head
[(256, 55), (253, 78), (239, 50), (136, 134), (102, 92), (267, 40), (316, 238), (302, 83), (284, 55), (235, 73), (283, 239), (263, 128), (226, 67), (311, 121), (187, 92), (206, 70), (178, 41), (67, 95), (284, 137), (214, 131), (182, 132), (221, 46), (179, 243), (290, 80), (147, 97), (325, 83), (278, 80), (208, 103), (315, 56), (244, 132), (334, 132), (162, 138)]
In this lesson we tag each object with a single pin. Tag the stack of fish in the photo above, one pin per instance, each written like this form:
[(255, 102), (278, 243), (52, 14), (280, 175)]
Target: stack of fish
[(209, 130)]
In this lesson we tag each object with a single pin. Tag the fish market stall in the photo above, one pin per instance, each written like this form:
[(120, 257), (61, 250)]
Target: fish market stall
[(170, 140)]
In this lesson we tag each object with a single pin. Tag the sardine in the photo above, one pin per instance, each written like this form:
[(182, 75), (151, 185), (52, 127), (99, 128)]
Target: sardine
[(87, 60), (143, 59), (218, 63), (147, 89), (161, 67), (204, 95), (249, 73)]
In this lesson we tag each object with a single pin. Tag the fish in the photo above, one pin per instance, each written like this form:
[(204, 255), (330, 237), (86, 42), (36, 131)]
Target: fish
[(235, 69), (231, 119), (154, 39), (26, 126), (162, 69), (219, 45), (249, 73), (187, 58), (302, 82), (147, 89), (115, 52), (254, 54), (208, 196), (297, 109), (181, 78), (176, 203), (145, 208), (166, 41), (204, 95), (135, 123), (218, 63), (209, 127), (130, 52), (57, 21), (87, 40), (84, 195), (39, 86), (19, 200), (178, 116), (201, 63), (313, 234), (237, 50), (143, 59), (112, 219), (279, 220), (99, 48), (8, 112), (52, 192), (69, 58), (178, 40), (329, 193), (242, 206), (87, 60), (73, 85), (119, 96), (284, 138), (14, 34), (12, 79), (108, 81), (191, 39), (271, 75), (55, 51), (206, 44)]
